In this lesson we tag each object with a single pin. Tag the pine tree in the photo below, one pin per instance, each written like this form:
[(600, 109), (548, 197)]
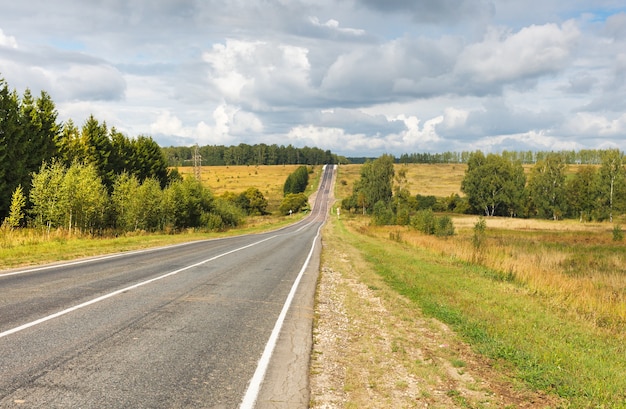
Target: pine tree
[(97, 149), (12, 154)]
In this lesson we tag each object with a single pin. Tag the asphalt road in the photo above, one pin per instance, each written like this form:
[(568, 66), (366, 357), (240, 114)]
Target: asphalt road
[(213, 324)]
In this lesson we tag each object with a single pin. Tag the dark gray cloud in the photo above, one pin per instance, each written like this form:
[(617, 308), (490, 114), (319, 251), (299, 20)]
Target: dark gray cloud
[(434, 12)]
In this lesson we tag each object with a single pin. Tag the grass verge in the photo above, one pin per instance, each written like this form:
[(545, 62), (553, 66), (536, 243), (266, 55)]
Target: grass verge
[(520, 331)]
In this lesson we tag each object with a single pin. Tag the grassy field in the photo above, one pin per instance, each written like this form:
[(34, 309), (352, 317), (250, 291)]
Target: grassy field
[(545, 300), (268, 179)]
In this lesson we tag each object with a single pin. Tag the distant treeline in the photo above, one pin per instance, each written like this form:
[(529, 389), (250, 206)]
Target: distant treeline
[(244, 154), (571, 157)]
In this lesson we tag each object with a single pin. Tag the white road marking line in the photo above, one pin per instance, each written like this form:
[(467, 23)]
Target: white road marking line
[(114, 293), (254, 387), (92, 259)]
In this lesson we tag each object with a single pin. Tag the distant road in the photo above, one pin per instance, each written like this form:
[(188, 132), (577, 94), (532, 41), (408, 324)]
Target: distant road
[(184, 326)]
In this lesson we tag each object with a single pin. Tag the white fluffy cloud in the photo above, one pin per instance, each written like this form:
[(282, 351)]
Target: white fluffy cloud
[(503, 56), (7, 40), (258, 74), (227, 124)]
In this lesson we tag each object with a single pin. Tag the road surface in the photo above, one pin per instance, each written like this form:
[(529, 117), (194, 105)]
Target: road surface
[(212, 324)]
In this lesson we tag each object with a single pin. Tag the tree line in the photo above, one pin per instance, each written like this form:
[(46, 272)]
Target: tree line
[(498, 185), (76, 199), (581, 157), (244, 154)]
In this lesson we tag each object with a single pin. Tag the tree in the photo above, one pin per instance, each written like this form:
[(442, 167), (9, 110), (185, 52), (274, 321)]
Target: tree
[(546, 186), (297, 181), (13, 171), (185, 202), (46, 196), (126, 202), (16, 212), (375, 184), (493, 185), (97, 149), (148, 160), (86, 199), (252, 201), (582, 192), (39, 122), (611, 177), (69, 144), (150, 195)]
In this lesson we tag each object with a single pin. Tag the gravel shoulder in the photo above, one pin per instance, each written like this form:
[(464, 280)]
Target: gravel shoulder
[(372, 348)]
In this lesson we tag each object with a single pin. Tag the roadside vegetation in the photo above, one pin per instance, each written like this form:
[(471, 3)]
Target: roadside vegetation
[(27, 246), (543, 300)]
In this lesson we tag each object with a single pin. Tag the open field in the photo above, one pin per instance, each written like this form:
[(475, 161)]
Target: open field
[(268, 179), (439, 180)]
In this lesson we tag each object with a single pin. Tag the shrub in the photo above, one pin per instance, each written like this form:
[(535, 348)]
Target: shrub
[(293, 202), (444, 226), (618, 234), (424, 221), (383, 214)]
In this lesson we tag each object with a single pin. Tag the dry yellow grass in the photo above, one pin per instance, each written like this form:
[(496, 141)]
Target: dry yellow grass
[(267, 178), (439, 180), (540, 256)]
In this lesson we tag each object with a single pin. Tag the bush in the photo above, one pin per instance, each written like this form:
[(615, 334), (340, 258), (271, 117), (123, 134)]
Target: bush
[(231, 215), (293, 202), (426, 222), (618, 234), (444, 226), (383, 214)]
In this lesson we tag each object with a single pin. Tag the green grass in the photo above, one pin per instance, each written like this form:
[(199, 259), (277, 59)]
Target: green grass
[(538, 343), (33, 247)]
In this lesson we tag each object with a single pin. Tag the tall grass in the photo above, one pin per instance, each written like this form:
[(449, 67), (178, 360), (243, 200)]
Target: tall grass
[(520, 320), (578, 268)]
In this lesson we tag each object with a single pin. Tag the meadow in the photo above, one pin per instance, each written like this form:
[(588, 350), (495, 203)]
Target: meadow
[(268, 179)]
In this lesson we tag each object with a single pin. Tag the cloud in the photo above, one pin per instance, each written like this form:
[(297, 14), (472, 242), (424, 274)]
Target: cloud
[(592, 125), (259, 74), (332, 29), (361, 77), (90, 82), (433, 12), (228, 124), (580, 83), (7, 41), (615, 26), (404, 67), (503, 56)]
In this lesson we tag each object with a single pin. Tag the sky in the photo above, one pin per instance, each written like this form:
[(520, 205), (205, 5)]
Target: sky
[(357, 77)]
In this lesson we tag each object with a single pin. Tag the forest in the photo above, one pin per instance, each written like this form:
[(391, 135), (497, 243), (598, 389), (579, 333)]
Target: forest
[(244, 154)]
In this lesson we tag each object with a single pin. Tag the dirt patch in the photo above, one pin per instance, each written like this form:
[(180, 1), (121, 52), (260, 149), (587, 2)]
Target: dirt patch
[(372, 348)]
